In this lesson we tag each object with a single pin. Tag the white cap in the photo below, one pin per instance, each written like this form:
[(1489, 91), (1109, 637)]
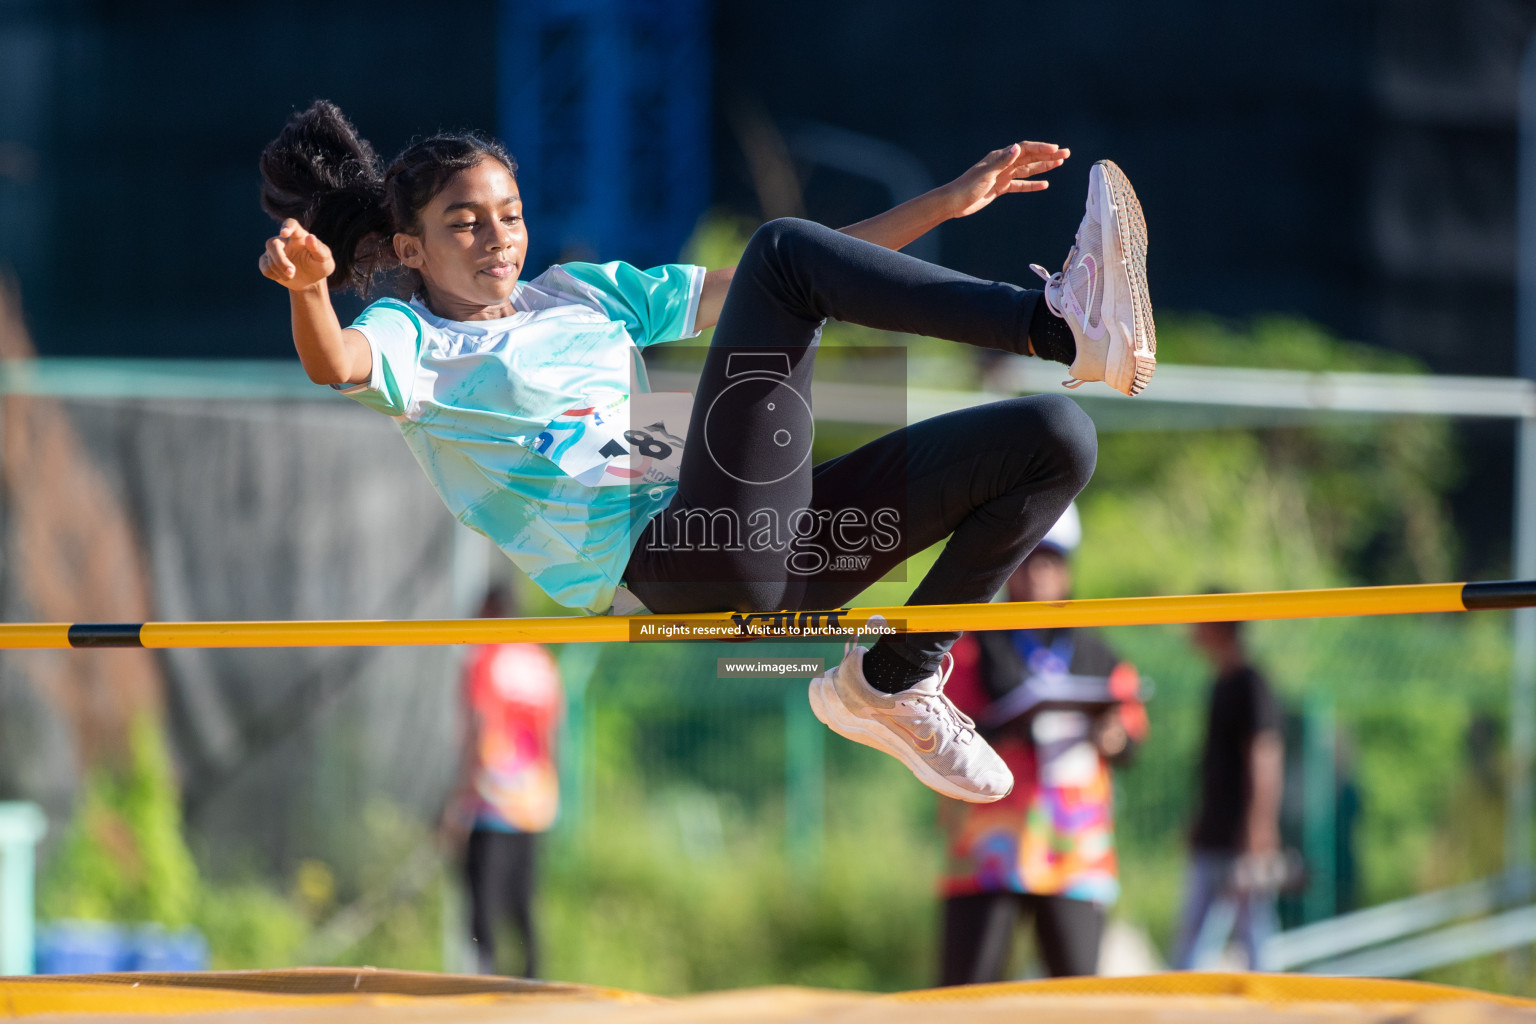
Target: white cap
[(1067, 534)]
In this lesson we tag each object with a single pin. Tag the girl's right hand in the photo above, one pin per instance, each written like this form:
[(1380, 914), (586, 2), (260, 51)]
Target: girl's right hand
[(296, 259), (1002, 171)]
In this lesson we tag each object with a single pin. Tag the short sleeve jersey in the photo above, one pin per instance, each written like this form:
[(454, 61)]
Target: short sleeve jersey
[(513, 691), (470, 397), (1242, 707)]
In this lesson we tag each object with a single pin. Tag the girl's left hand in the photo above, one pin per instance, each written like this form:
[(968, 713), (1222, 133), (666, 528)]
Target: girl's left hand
[(1002, 171)]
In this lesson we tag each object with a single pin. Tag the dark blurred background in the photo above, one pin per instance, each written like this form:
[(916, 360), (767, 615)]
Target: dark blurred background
[(1350, 161)]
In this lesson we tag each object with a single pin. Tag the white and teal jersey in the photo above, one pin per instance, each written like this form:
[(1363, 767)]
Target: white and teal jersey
[(470, 397)]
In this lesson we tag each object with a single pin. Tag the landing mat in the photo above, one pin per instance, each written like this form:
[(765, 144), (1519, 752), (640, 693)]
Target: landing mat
[(356, 995)]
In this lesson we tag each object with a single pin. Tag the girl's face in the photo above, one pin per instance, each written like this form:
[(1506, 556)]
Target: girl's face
[(471, 245)]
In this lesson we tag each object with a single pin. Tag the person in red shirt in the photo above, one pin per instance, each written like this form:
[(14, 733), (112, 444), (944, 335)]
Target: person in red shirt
[(508, 789)]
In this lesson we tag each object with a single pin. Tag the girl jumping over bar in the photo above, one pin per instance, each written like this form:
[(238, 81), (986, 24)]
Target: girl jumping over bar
[(525, 401)]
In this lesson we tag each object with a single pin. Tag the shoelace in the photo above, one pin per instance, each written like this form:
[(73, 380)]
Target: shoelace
[(1059, 281), (940, 704)]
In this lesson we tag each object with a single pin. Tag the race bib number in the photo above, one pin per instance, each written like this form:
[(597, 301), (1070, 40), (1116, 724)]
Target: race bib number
[(621, 443)]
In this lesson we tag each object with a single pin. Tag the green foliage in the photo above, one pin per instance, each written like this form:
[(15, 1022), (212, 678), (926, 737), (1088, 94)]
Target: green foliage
[(634, 902), (1298, 507), (406, 931), (251, 924), (124, 857), (1304, 506), (1270, 343), (718, 241)]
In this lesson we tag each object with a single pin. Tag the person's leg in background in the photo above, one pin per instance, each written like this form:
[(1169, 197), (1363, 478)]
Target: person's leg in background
[(1204, 884), (487, 895), (1068, 933), (1256, 924), (521, 871), (977, 937)]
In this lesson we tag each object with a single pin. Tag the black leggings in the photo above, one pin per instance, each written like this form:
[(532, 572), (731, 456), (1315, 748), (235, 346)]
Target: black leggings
[(499, 867), (979, 929), (755, 527)]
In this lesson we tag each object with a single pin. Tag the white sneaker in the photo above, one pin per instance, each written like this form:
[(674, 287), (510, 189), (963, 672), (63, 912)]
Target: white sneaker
[(918, 726), (1101, 291)]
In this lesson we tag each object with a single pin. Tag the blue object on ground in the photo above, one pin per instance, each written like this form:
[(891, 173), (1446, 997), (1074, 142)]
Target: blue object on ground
[(96, 947), (158, 949), (83, 947)]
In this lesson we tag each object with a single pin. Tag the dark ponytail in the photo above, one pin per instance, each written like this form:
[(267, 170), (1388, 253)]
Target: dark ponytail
[(321, 173)]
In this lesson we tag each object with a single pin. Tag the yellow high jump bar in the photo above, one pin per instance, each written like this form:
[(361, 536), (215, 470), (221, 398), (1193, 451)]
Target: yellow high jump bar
[(819, 624)]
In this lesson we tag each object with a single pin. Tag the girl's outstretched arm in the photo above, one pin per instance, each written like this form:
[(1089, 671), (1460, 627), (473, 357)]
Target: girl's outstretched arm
[(998, 173), (300, 262)]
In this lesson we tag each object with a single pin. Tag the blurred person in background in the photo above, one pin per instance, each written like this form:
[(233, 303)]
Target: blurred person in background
[(507, 791), (1236, 861), (1060, 707)]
